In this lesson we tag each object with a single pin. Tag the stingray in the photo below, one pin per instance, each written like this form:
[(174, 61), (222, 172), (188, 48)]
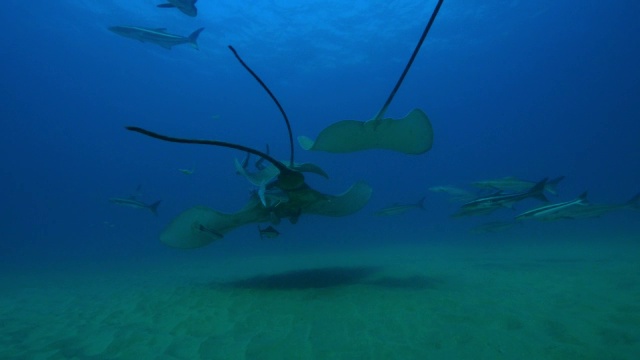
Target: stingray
[(200, 225), (412, 134)]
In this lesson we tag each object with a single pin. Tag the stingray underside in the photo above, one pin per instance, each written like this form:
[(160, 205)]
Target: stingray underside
[(200, 225)]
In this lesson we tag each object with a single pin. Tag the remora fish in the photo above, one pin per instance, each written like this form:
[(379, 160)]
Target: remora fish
[(157, 36), (488, 204), (269, 232), (511, 183), (186, 6), (398, 209), (132, 202), (259, 164), (456, 193), (595, 210), (555, 211)]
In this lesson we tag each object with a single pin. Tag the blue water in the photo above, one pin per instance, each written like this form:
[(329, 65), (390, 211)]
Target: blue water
[(512, 88), (531, 89)]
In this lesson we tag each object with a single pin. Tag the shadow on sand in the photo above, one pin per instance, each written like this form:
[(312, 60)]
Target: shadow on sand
[(328, 277)]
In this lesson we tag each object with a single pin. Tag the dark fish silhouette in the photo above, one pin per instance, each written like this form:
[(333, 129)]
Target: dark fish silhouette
[(188, 7), (269, 232)]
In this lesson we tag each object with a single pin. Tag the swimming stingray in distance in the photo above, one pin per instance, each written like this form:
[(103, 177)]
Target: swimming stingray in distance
[(285, 194), (412, 134)]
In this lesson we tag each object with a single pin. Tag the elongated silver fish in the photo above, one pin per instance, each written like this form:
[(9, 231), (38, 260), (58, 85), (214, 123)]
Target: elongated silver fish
[(157, 36), (514, 184), (131, 202), (595, 210), (398, 209), (456, 194), (487, 204), (555, 211), (588, 210), (269, 232)]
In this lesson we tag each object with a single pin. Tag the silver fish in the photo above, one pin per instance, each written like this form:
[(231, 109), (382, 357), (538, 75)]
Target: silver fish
[(456, 194), (131, 202), (398, 209), (514, 184), (555, 211), (157, 36), (595, 210), (488, 204), (269, 232)]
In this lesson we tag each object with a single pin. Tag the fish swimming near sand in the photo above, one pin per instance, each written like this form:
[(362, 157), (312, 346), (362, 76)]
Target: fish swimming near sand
[(269, 232), (488, 204), (596, 210), (456, 194), (581, 209), (555, 211), (158, 36), (132, 202), (514, 184), (398, 209), (188, 7)]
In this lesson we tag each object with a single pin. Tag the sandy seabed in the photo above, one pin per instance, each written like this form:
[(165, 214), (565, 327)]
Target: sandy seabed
[(434, 301)]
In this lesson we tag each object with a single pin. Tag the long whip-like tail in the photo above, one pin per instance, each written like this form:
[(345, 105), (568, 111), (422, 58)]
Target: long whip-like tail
[(283, 169), (413, 57), (273, 97)]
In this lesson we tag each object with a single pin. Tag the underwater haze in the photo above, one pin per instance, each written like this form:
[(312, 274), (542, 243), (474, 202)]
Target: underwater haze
[(514, 90)]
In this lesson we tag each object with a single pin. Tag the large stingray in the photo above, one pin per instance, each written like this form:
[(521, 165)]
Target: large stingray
[(411, 134), (199, 226)]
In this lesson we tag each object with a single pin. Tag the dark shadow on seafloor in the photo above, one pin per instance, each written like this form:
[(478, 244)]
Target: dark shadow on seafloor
[(328, 277)]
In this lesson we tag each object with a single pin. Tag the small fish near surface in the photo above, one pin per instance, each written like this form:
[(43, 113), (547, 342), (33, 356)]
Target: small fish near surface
[(488, 204), (158, 36), (398, 209), (132, 202), (188, 7), (268, 233)]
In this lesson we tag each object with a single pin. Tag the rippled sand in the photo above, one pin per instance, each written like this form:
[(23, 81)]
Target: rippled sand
[(433, 302)]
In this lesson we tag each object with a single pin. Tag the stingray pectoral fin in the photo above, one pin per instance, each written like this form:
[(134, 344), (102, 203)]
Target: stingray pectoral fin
[(185, 231), (412, 134), (200, 226), (347, 203)]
